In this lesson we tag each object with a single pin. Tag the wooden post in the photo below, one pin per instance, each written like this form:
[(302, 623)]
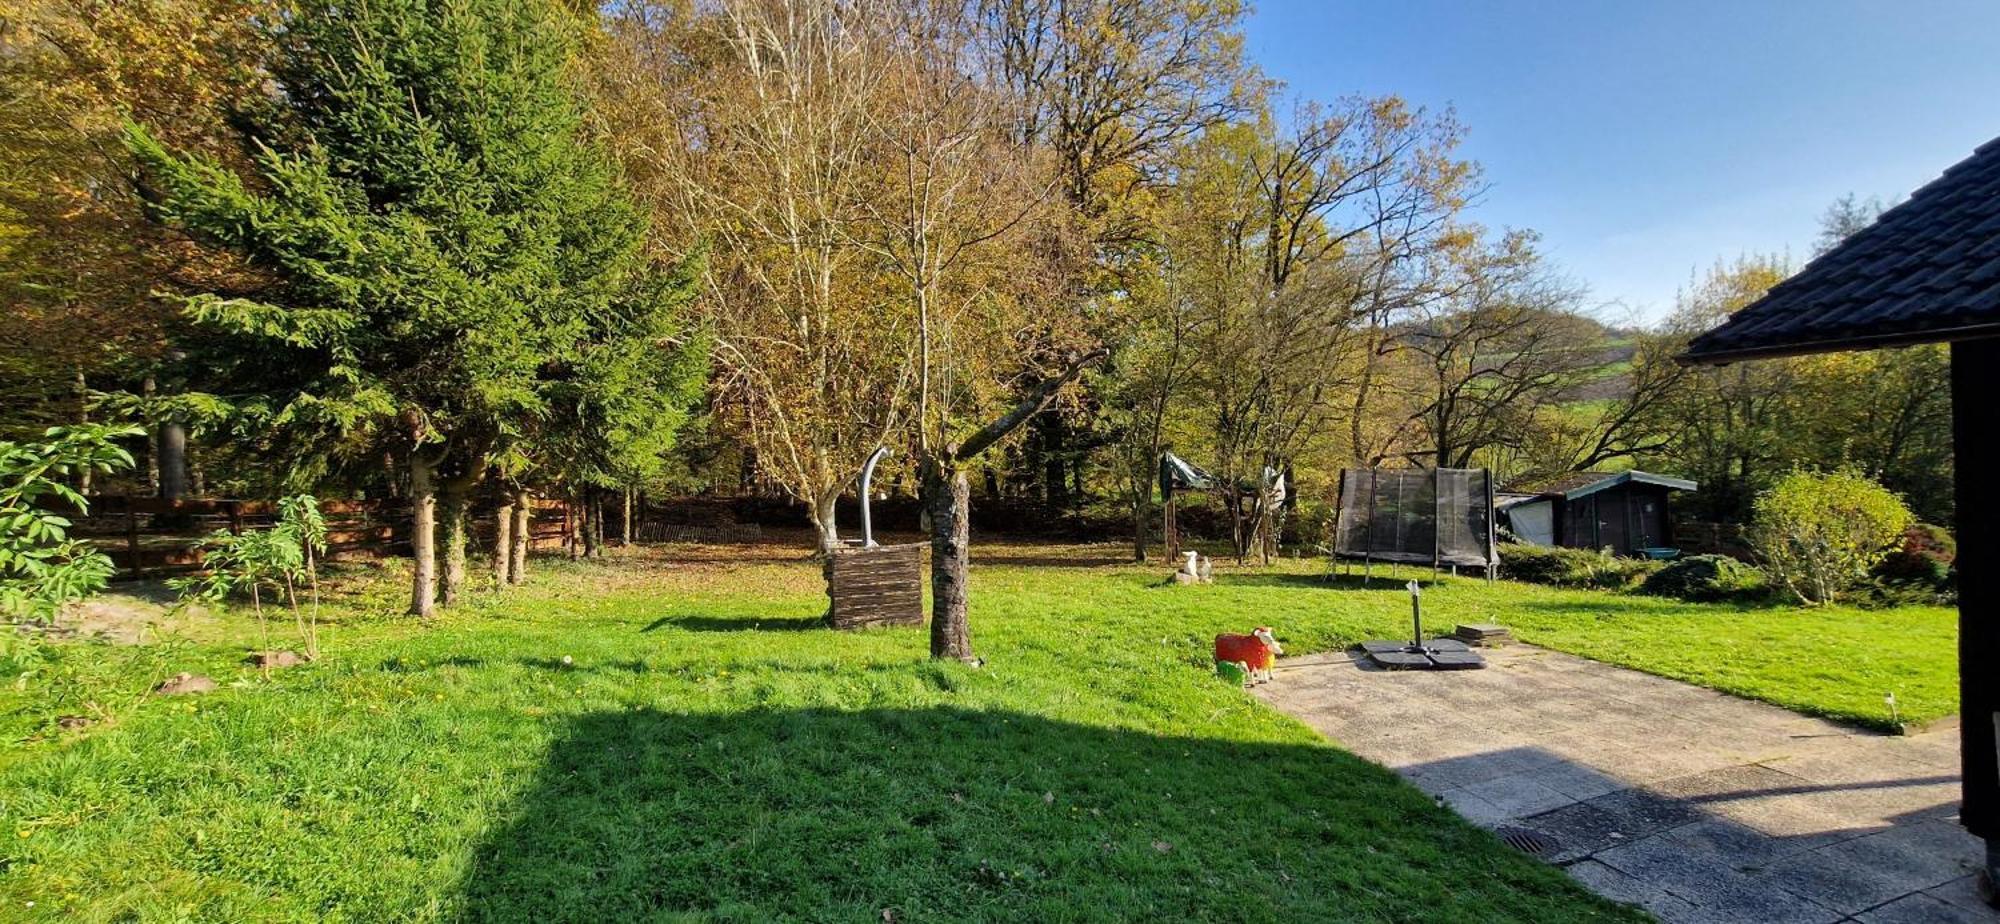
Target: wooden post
[(132, 536), (235, 509), (1975, 379)]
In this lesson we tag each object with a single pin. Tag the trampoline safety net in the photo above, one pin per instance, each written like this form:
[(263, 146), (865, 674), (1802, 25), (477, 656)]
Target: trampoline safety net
[(1416, 515)]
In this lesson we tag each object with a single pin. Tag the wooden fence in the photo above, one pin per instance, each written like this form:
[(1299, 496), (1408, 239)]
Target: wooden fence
[(877, 586), (151, 537)]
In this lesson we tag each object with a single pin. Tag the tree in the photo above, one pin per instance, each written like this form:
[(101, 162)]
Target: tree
[(1110, 90), (434, 230), (1820, 534), (1504, 347), (1284, 243), (1885, 413), (1727, 423), (1844, 217), (43, 569), (79, 264), (1580, 436), (752, 122), (284, 558), (962, 224), (948, 504)]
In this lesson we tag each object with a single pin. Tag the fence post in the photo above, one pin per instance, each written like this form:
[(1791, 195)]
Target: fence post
[(132, 536)]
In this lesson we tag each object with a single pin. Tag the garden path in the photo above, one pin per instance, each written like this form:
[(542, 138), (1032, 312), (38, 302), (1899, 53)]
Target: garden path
[(1696, 805)]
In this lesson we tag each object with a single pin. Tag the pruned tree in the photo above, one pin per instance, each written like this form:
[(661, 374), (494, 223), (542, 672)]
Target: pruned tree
[(961, 224)]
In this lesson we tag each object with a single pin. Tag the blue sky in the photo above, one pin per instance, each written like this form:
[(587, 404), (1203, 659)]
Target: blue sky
[(1647, 139)]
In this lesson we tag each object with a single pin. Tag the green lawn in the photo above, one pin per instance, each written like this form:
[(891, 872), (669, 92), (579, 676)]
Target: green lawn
[(711, 754)]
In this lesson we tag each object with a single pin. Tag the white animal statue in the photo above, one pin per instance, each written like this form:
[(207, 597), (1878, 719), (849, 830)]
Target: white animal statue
[(1197, 569)]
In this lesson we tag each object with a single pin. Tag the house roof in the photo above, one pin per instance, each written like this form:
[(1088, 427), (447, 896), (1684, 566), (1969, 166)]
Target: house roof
[(1583, 484), (1928, 270)]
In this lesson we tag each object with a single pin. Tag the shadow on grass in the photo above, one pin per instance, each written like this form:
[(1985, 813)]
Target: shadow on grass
[(736, 623), (958, 814), (1380, 581), (1051, 560), (1639, 606)]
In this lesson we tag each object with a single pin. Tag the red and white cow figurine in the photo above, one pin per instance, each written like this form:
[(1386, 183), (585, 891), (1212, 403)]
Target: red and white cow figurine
[(1257, 651)]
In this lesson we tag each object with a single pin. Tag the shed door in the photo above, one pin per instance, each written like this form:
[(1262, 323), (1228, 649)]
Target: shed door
[(1649, 514), (1614, 521)]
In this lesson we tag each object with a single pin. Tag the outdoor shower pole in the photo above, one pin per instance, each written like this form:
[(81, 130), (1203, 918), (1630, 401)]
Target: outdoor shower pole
[(1416, 615), (868, 475)]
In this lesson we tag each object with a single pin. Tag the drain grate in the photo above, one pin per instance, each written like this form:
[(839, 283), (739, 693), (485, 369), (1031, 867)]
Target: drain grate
[(1526, 840)]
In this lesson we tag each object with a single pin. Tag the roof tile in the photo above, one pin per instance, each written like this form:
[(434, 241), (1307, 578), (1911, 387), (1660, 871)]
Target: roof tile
[(1926, 270)]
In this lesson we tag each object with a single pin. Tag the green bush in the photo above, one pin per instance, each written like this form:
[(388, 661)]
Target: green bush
[(1820, 535), (42, 567), (1565, 567), (1924, 558), (1706, 579)]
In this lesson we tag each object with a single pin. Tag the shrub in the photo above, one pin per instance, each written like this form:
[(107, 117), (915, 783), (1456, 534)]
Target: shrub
[(1566, 567), (283, 558), (1924, 557), (1820, 534), (42, 567), (1706, 579)]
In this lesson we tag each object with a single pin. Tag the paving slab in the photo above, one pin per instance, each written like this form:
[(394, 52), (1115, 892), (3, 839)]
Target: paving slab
[(1692, 804)]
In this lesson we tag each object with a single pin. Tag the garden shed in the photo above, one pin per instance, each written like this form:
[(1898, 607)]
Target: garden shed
[(1927, 271), (1623, 511)]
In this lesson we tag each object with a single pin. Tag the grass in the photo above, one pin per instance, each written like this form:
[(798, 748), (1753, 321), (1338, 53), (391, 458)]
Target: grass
[(709, 753)]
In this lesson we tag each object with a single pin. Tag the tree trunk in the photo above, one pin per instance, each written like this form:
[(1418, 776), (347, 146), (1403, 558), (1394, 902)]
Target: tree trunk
[(1141, 509), (573, 528), (152, 446), (823, 516), (524, 531), (83, 472), (597, 523), (948, 497), (173, 460), (423, 535), (503, 540), (453, 501), (390, 474), (591, 523), (1057, 483), (625, 534)]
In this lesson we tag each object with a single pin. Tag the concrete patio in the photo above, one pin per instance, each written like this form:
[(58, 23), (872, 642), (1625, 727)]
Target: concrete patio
[(1697, 806)]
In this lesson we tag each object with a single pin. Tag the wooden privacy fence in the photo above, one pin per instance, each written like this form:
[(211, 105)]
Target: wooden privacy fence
[(153, 537), (878, 586)]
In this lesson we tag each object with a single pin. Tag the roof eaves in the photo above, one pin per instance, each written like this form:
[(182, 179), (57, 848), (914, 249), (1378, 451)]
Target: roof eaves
[(1698, 356), (1677, 484)]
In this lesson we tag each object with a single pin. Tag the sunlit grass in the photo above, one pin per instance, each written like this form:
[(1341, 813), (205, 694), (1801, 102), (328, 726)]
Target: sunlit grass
[(709, 751)]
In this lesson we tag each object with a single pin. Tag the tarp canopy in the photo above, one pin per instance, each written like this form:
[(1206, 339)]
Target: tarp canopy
[(1417, 515), (1178, 474)]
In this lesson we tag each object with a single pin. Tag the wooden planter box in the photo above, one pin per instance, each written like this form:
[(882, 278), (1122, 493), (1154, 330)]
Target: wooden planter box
[(882, 586)]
